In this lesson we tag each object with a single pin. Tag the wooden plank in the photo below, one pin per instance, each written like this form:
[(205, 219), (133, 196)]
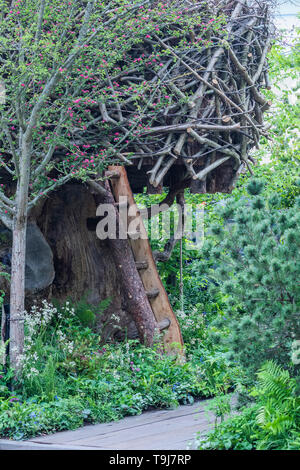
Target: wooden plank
[(157, 429), (141, 265), (162, 441), (149, 417), (142, 251), (7, 444), (151, 436)]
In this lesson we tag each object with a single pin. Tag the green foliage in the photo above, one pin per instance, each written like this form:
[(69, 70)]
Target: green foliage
[(255, 261), (241, 301), (279, 415), (233, 434), (221, 406), (255, 187), (71, 378), (273, 423), (296, 352), (88, 313), (2, 294), (5, 378)]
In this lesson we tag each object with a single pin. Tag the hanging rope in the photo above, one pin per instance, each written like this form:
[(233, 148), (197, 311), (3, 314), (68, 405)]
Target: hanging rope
[(181, 277), (180, 201)]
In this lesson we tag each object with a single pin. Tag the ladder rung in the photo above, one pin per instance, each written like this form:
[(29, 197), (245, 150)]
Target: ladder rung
[(112, 174), (152, 293), (122, 205), (134, 235), (165, 323), (141, 264)]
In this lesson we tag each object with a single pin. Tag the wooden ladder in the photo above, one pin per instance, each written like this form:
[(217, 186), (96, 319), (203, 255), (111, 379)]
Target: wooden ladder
[(146, 266)]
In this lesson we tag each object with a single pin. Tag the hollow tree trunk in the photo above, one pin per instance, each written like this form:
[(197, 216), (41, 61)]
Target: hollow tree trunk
[(85, 266)]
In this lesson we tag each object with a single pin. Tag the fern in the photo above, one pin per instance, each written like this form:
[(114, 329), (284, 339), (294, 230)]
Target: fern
[(279, 415), (275, 382), (273, 423)]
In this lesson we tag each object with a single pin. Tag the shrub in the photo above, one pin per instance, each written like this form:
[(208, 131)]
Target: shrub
[(70, 378), (256, 258), (272, 423), (87, 313)]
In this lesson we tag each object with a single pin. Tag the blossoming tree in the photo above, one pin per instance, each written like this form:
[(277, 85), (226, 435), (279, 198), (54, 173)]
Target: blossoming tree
[(55, 57), (91, 83)]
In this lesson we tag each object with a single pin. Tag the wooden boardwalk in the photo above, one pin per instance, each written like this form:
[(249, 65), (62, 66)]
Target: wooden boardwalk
[(168, 429)]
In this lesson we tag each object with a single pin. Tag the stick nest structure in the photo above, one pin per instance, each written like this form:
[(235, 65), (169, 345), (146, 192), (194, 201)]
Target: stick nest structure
[(196, 107)]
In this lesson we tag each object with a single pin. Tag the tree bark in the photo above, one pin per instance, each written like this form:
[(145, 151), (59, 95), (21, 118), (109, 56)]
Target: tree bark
[(17, 290), (17, 295), (138, 305)]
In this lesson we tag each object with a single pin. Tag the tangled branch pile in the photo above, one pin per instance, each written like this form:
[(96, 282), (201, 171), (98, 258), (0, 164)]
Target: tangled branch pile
[(172, 89), (195, 91)]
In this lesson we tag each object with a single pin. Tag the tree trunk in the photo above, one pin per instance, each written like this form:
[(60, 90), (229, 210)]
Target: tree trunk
[(17, 294), (137, 301), (84, 265), (138, 305), (17, 289)]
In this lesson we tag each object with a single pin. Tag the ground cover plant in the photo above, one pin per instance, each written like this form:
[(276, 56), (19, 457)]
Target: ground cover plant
[(71, 378), (271, 423)]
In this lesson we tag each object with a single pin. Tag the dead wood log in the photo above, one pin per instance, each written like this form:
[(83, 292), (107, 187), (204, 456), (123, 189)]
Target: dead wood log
[(138, 305)]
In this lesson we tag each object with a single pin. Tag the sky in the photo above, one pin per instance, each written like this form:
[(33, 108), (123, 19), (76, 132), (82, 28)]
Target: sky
[(289, 7), (286, 15)]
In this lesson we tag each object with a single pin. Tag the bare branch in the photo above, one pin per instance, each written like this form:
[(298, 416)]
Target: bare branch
[(40, 21)]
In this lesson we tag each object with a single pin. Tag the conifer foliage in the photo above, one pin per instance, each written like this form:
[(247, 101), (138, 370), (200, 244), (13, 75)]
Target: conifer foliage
[(255, 257)]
